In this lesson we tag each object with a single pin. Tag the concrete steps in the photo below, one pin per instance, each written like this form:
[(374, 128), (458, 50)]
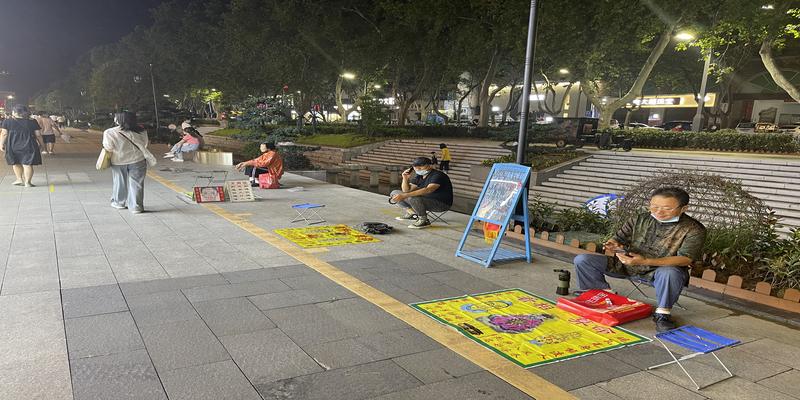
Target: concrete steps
[(464, 156), (776, 182)]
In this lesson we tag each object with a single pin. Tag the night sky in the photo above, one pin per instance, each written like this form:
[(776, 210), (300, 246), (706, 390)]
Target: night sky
[(41, 39)]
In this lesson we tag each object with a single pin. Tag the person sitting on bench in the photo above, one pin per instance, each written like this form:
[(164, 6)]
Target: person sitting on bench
[(268, 162), (658, 246), (428, 190)]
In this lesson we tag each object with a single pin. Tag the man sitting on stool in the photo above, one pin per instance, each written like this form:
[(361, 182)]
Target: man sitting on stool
[(268, 162), (658, 246), (430, 190)]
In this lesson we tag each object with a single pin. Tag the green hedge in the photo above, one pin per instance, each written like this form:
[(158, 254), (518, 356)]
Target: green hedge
[(726, 140)]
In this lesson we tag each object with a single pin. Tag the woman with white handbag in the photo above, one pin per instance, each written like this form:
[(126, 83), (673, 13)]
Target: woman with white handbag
[(127, 143)]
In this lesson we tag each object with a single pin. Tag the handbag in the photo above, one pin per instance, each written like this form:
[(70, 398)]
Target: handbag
[(268, 181), (104, 160), (151, 159)]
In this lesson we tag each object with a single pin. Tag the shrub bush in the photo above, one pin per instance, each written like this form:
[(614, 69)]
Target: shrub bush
[(727, 139)]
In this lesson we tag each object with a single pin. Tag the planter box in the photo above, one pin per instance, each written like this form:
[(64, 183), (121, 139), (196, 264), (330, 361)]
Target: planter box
[(733, 287), (478, 173)]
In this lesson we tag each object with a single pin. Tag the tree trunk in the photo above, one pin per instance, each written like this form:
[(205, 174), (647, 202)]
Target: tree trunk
[(607, 110), (484, 100), (339, 103), (413, 96), (461, 104), (775, 72)]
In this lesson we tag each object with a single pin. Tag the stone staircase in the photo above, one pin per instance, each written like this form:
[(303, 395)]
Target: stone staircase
[(775, 181), (465, 155)]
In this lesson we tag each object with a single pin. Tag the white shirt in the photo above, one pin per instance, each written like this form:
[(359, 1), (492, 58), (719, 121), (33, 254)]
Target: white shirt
[(124, 152)]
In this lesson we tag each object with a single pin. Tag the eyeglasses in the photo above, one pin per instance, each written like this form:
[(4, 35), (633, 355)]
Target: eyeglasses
[(656, 208)]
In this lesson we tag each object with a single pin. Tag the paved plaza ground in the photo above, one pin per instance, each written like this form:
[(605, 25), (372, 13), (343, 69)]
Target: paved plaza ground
[(189, 301)]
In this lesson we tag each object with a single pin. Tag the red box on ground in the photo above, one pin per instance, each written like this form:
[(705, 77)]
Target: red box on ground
[(605, 308)]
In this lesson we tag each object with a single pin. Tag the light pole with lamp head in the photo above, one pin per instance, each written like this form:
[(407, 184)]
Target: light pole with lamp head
[(138, 79)]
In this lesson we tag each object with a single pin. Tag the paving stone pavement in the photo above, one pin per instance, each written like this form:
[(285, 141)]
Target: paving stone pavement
[(178, 303)]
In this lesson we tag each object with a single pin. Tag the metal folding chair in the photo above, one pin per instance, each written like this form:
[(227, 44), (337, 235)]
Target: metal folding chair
[(700, 341), (308, 212), (434, 216), (637, 281)]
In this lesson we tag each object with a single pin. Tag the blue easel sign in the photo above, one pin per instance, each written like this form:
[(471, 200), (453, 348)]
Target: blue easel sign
[(504, 189)]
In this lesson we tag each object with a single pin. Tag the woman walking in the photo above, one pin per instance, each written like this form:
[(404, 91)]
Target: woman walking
[(20, 139), (126, 142), (49, 129)]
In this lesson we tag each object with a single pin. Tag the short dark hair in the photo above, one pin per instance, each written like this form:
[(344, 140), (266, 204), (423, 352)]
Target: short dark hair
[(270, 145), (421, 161), (442, 145), (674, 192)]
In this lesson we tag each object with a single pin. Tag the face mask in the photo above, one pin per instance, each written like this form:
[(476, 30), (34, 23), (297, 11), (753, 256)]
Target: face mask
[(422, 172), (673, 219)]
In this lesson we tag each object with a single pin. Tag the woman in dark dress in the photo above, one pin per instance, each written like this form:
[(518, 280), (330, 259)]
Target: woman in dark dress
[(20, 140)]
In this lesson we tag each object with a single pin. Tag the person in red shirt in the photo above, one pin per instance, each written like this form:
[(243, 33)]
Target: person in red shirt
[(268, 162)]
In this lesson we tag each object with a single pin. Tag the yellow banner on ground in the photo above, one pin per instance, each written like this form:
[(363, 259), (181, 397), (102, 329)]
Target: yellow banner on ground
[(526, 329), (325, 236)]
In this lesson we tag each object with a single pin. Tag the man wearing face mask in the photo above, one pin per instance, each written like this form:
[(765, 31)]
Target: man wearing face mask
[(428, 190), (659, 245)]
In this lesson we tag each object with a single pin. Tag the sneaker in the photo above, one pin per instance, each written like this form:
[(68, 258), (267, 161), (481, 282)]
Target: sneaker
[(169, 155), (17, 183), (663, 322), (44, 152), (118, 206), (28, 184), (420, 224), (137, 211), (407, 217), (177, 160)]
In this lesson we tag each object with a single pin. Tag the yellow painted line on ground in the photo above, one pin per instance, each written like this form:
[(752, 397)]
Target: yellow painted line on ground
[(52, 188), (524, 380)]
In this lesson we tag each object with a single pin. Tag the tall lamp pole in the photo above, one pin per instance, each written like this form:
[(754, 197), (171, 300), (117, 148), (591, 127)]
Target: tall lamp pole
[(155, 103), (522, 139), (697, 121)]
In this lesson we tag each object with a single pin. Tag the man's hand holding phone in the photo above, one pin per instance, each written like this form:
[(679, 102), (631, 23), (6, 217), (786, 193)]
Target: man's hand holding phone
[(613, 245)]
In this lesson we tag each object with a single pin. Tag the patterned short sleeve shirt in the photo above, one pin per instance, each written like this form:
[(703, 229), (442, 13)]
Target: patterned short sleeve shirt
[(653, 239)]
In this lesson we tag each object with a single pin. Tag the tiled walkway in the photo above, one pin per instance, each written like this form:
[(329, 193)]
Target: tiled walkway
[(180, 303)]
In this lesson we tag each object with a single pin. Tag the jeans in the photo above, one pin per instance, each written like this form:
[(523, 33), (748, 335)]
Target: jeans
[(668, 281), (421, 205), (128, 186), (183, 148)]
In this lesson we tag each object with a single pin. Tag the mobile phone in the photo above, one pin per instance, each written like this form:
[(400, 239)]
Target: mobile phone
[(622, 251)]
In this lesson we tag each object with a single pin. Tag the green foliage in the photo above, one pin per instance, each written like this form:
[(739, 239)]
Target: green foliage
[(726, 140), (227, 132), (374, 115), (343, 140), (782, 270), (541, 213), (258, 114), (582, 219)]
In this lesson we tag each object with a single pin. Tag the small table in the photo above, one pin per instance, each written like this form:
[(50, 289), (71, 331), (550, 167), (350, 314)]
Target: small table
[(308, 212)]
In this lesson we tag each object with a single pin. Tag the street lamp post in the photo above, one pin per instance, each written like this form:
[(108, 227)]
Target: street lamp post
[(155, 103), (697, 122), (522, 139)]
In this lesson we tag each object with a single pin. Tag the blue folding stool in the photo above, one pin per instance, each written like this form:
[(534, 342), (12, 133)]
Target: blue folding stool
[(698, 340), (308, 212)]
